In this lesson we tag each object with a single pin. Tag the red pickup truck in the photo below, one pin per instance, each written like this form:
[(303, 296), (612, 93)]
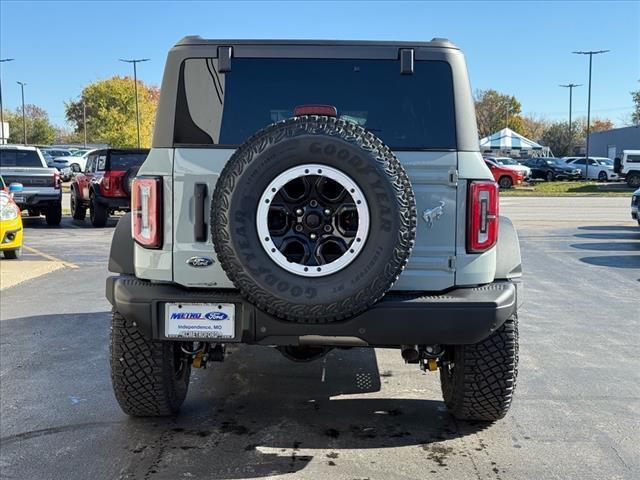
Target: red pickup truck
[(506, 177), (105, 185)]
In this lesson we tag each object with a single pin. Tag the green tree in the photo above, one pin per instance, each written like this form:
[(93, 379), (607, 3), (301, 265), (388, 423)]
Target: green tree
[(635, 116), (491, 112), (534, 126), (556, 136), (39, 129), (111, 112)]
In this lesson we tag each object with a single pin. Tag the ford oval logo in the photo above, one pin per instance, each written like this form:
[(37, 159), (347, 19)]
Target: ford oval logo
[(216, 316), (199, 262)]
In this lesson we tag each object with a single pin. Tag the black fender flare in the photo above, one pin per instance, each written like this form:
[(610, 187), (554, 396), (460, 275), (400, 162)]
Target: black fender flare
[(121, 254)]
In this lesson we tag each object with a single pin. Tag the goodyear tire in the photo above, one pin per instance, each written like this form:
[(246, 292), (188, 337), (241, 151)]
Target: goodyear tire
[(149, 378), (478, 380), (313, 219)]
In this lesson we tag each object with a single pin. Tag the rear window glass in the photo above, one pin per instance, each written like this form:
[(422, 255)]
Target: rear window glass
[(124, 161), (406, 111), (633, 158), (19, 158)]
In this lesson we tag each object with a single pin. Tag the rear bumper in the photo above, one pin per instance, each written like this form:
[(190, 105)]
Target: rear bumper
[(37, 199), (116, 203), (460, 316)]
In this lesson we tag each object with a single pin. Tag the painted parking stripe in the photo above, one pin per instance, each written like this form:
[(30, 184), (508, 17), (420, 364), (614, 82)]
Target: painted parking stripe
[(50, 257)]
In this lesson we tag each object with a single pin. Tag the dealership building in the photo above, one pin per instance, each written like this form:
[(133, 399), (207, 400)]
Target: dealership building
[(611, 143)]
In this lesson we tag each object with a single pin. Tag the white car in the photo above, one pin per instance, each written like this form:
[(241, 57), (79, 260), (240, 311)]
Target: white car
[(600, 168), (511, 164), (76, 162)]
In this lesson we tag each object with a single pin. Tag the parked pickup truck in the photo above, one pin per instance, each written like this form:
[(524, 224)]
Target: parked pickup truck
[(42, 194)]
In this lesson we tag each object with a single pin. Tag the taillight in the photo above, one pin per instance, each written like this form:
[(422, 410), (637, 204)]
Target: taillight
[(482, 216), (146, 210), (112, 183), (56, 180)]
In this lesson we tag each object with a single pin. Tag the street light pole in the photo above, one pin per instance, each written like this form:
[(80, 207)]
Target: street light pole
[(84, 122), (591, 53), (507, 110), (570, 86), (135, 87), (24, 122), (2, 60)]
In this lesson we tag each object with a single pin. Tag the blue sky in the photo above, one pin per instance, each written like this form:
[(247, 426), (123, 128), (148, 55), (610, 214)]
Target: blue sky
[(519, 48)]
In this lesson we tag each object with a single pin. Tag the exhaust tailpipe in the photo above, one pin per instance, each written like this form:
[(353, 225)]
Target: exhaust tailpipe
[(410, 353)]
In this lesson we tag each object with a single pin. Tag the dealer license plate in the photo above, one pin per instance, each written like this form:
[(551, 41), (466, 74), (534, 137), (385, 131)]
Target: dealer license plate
[(200, 320)]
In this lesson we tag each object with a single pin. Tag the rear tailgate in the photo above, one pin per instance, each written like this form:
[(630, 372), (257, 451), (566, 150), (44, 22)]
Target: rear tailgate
[(432, 174), (30, 178)]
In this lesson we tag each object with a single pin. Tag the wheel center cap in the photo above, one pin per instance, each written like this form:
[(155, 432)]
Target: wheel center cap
[(312, 220)]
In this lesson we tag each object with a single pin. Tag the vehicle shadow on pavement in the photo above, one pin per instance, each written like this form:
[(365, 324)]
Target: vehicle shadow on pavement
[(612, 233), (258, 414), (621, 228), (255, 415)]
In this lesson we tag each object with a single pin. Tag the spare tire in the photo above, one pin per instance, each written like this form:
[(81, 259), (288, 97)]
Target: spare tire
[(313, 219), (127, 179)]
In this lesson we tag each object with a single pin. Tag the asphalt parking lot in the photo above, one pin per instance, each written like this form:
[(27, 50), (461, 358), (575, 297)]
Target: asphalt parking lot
[(356, 414)]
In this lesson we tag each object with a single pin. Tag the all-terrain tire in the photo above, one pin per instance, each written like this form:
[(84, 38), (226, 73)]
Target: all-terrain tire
[(97, 213), (341, 145), (53, 214), (149, 378), (78, 211), (478, 380)]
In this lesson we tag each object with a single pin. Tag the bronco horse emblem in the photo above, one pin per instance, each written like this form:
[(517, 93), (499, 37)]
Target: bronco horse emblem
[(432, 214)]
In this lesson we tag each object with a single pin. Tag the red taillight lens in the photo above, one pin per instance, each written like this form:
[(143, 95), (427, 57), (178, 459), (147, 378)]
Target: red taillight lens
[(482, 216), (56, 180), (112, 183), (146, 210), (328, 110)]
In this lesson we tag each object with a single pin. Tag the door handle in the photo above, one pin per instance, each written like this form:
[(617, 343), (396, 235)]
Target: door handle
[(200, 226)]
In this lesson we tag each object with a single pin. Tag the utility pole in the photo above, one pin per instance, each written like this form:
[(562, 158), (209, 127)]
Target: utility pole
[(24, 122), (84, 121), (135, 86), (591, 53), (570, 86), (2, 139)]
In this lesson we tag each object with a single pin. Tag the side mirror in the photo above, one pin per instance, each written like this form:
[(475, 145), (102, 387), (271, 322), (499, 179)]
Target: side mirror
[(15, 187)]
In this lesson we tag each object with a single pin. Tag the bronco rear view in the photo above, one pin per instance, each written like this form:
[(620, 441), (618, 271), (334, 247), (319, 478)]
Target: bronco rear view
[(308, 195)]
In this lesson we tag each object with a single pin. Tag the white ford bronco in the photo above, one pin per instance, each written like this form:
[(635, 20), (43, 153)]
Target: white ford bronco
[(310, 195)]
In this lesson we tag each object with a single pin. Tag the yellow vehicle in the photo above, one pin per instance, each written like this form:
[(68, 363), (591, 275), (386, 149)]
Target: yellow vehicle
[(10, 227)]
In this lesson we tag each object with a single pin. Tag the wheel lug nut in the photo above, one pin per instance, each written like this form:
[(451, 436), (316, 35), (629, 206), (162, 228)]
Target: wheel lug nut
[(327, 211), (298, 228), (327, 228), (313, 203), (299, 211), (312, 236)]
